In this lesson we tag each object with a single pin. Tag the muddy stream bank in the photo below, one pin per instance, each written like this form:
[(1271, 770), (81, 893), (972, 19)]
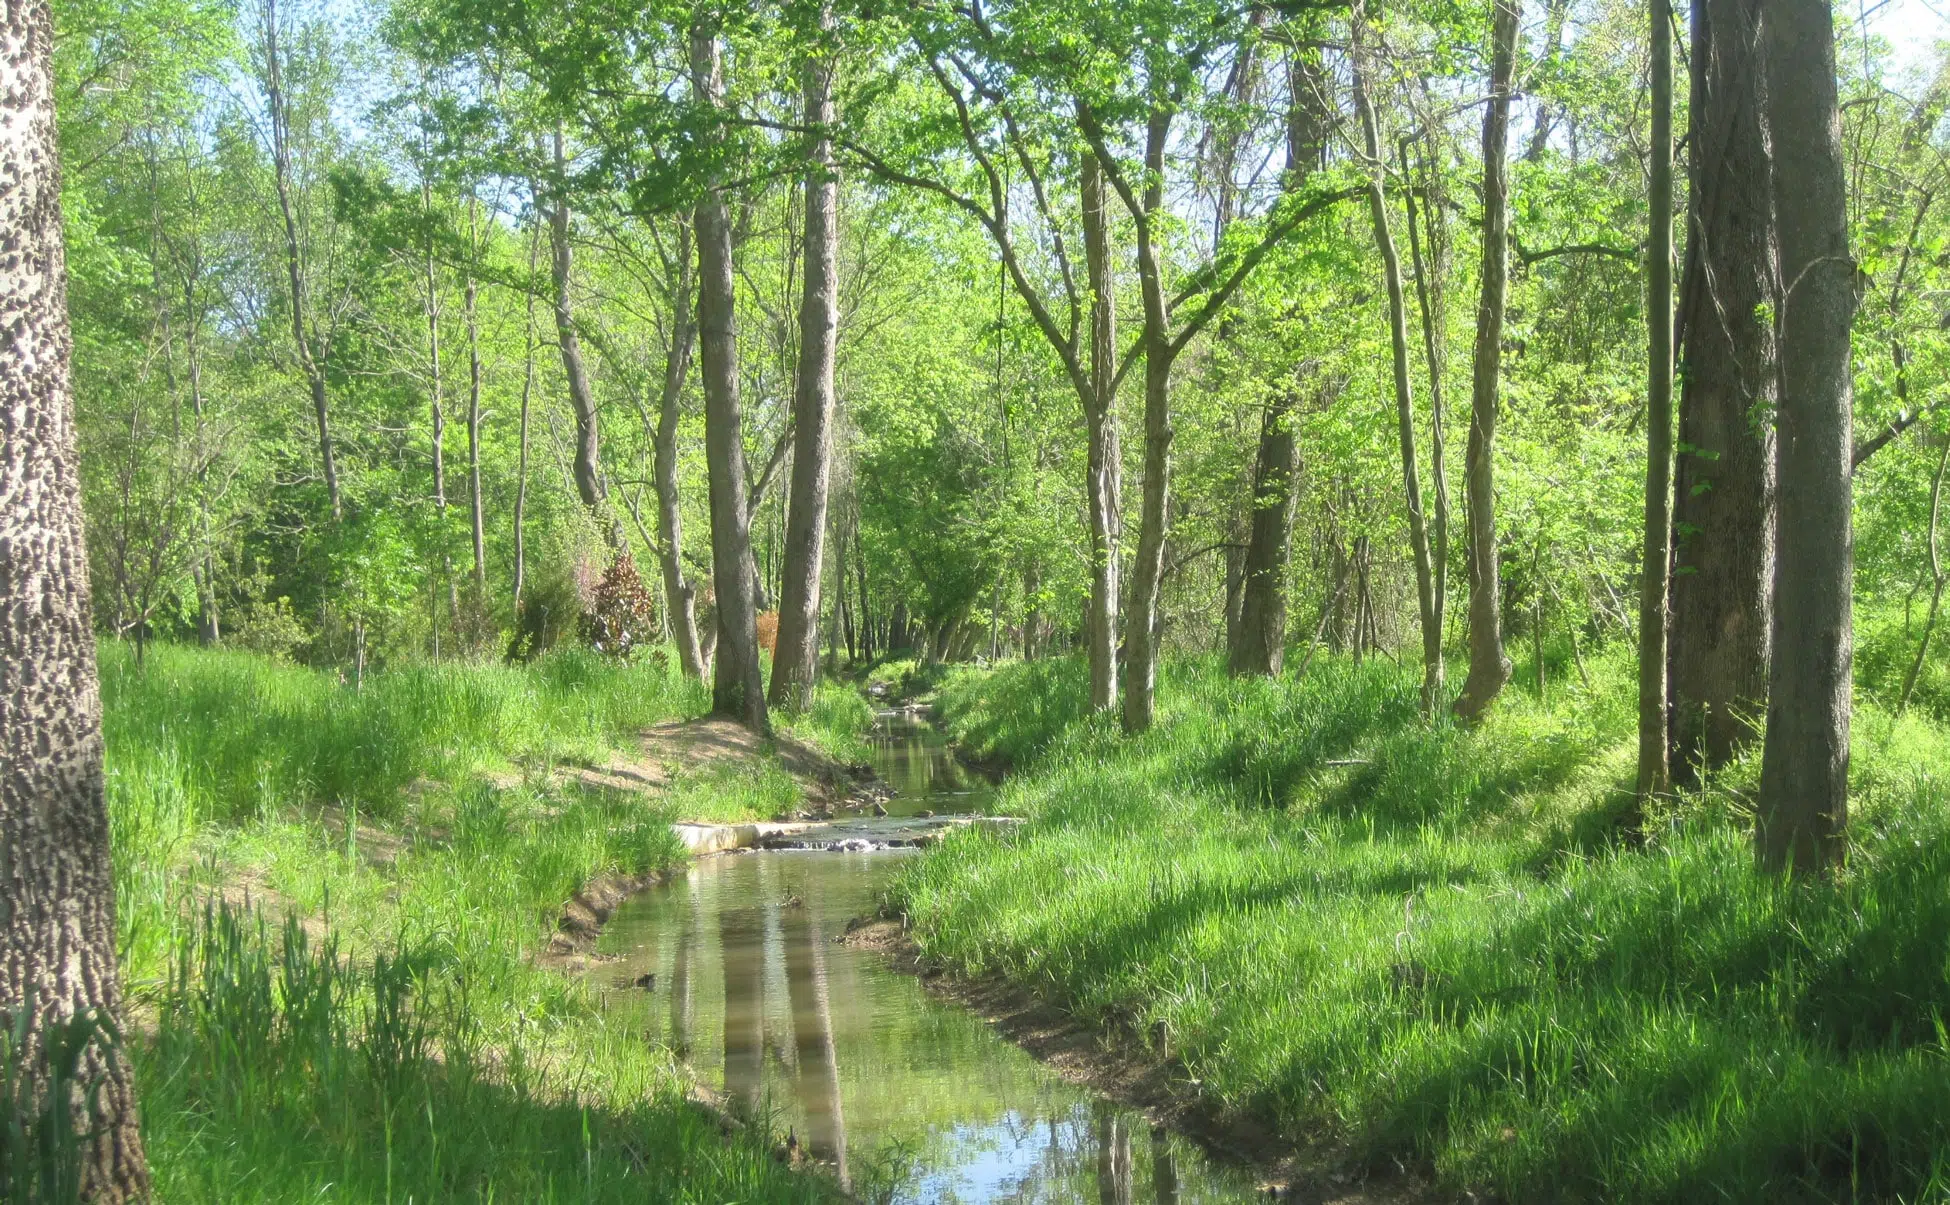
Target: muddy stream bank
[(741, 965)]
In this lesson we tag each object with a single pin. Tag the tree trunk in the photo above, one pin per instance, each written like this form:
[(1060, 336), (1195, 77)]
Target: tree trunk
[(1143, 626), (1723, 494), (57, 893), (1418, 536), (521, 469), (582, 396), (1489, 667), (1803, 808), (680, 595), (867, 644), (308, 358), (1105, 459), (795, 662), (738, 685), (476, 510), (1654, 770), (1259, 644)]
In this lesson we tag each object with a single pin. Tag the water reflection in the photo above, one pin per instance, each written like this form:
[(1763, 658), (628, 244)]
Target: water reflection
[(914, 758), (905, 1098)]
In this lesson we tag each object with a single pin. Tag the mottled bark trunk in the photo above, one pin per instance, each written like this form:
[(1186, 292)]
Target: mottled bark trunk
[(521, 463), (795, 661), (738, 684), (1418, 536), (476, 507), (1654, 768), (582, 395), (1259, 644), (1489, 667), (57, 894), (1723, 491), (680, 594), (1804, 767), (1104, 471)]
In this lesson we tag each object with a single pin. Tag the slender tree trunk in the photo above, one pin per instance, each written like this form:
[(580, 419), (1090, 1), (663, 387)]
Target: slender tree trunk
[(477, 516), (1654, 769), (1104, 472), (58, 978), (308, 358), (1429, 298), (1418, 536), (680, 595), (582, 396), (1143, 626), (521, 470), (1803, 810), (738, 686), (795, 662), (1723, 491), (867, 643), (1489, 667)]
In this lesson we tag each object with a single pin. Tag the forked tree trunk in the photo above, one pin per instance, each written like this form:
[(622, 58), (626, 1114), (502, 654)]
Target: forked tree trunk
[(582, 396), (1723, 488), (1418, 536), (680, 595), (1803, 811), (795, 662), (1489, 667), (57, 894), (1104, 472), (738, 685), (1654, 768)]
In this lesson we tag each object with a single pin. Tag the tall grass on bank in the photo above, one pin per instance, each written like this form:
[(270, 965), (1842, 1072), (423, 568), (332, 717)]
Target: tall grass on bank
[(1414, 940), (329, 903)]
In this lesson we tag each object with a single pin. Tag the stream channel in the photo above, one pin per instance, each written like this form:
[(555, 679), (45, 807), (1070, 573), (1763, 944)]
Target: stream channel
[(905, 1097)]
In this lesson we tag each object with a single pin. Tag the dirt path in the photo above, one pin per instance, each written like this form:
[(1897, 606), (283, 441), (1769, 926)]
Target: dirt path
[(1118, 1064)]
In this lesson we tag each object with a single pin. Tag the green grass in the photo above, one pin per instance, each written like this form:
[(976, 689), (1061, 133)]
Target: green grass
[(406, 1047), (1404, 940)]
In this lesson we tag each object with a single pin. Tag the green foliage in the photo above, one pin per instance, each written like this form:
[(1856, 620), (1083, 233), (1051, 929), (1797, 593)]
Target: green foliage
[(1426, 941)]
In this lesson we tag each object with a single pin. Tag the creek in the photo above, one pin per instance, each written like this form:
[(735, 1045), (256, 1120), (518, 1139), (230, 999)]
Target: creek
[(906, 1098)]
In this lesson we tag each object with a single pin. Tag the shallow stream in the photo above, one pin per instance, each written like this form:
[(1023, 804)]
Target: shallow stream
[(906, 1097)]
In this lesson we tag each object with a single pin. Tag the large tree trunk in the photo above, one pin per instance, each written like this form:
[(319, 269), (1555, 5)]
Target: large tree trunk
[(1654, 769), (582, 396), (1257, 643), (1723, 495), (57, 895), (1489, 668), (795, 661), (738, 684), (1104, 473), (1804, 766), (308, 357), (1418, 536), (1143, 625), (680, 595)]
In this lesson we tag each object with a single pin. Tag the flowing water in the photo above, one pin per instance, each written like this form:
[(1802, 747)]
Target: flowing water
[(905, 1097)]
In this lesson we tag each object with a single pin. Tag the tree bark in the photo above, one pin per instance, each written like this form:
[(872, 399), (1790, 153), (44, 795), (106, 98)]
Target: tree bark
[(1489, 667), (57, 893), (680, 595), (1418, 536), (582, 396), (738, 686), (1723, 493), (1803, 810), (1654, 769), (795, 662), (1104, 472), (521, 469), (477, 516), (1143, 626), (309, 359)]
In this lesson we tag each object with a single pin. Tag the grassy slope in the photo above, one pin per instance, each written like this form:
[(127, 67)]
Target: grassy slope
[(407, 1050), (1437, 949)]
